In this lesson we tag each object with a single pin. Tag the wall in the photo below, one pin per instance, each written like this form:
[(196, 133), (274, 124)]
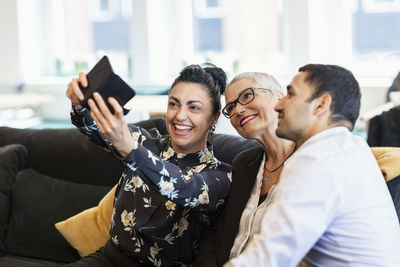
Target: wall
[(10, 65)]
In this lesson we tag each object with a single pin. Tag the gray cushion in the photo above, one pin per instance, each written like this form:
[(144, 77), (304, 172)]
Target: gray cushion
[(394, 189), (12, 158), (16, 261), (38, 202)]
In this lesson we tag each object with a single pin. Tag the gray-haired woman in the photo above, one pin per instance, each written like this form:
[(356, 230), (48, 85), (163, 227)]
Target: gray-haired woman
[(251, 98)]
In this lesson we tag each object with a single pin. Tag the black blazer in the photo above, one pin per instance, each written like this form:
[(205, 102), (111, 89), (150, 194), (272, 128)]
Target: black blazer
[(216, 244), (384, 129)]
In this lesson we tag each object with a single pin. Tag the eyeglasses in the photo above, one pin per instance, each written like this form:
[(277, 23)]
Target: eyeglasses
[(244, 98)]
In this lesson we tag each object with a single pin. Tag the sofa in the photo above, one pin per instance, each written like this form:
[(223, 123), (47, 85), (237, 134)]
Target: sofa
[(64, 175)]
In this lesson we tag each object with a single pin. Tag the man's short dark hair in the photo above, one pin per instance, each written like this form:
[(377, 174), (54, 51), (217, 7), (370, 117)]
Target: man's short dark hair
[(340, 84)]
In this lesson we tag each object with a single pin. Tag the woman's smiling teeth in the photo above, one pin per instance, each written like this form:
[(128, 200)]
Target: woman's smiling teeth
[(247, 119), (183, 127)]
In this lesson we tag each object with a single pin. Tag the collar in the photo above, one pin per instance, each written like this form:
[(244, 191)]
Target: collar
[(325, 133), (205, 155)]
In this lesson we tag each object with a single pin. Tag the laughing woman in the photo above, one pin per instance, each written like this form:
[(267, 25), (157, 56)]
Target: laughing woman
[(172, 186)]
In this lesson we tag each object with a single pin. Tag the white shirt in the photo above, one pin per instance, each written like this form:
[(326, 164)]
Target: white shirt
[(331, 207), (252, 215)]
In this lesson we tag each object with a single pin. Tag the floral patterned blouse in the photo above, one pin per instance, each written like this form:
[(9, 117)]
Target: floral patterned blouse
[(164, 199)]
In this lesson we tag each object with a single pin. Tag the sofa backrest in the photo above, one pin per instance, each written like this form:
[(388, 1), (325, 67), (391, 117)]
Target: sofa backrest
[(69, 155), (65, 154)]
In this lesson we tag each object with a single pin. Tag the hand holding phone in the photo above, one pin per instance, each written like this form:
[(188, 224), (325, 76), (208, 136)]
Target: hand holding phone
[(74, 91), (103, 80)]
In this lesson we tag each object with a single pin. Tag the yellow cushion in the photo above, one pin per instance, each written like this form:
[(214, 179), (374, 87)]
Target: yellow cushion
[(389, 161), (89, 230)]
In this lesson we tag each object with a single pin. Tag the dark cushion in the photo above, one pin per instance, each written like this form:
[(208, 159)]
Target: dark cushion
[(384, 130), (38, 202), (16, 261), (226, 146), (394, 189), (154, 122), (12, 159)]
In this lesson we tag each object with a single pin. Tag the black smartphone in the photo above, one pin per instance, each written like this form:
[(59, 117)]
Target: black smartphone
[(102, 79)]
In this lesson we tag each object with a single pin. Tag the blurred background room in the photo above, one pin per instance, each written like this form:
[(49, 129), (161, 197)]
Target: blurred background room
[(45, 43)]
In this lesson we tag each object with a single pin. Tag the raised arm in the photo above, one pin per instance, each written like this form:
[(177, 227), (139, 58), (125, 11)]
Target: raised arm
[(80, 116)]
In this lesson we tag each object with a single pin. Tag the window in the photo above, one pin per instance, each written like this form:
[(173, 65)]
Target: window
[(207, 22), (150, 41), (240, 36), (61, 38), (65, 37), (376, 37)]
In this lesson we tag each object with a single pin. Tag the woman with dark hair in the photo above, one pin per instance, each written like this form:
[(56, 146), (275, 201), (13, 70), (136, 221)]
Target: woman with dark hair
[(173, 187)]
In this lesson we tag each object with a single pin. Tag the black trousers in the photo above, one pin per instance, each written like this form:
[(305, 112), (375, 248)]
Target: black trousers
[(108, 256), (94, 259)]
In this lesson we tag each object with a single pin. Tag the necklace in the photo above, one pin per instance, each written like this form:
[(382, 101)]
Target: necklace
[(268, 175)]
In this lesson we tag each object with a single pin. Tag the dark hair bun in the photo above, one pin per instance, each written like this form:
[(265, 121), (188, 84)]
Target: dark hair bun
[(218, 75)]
